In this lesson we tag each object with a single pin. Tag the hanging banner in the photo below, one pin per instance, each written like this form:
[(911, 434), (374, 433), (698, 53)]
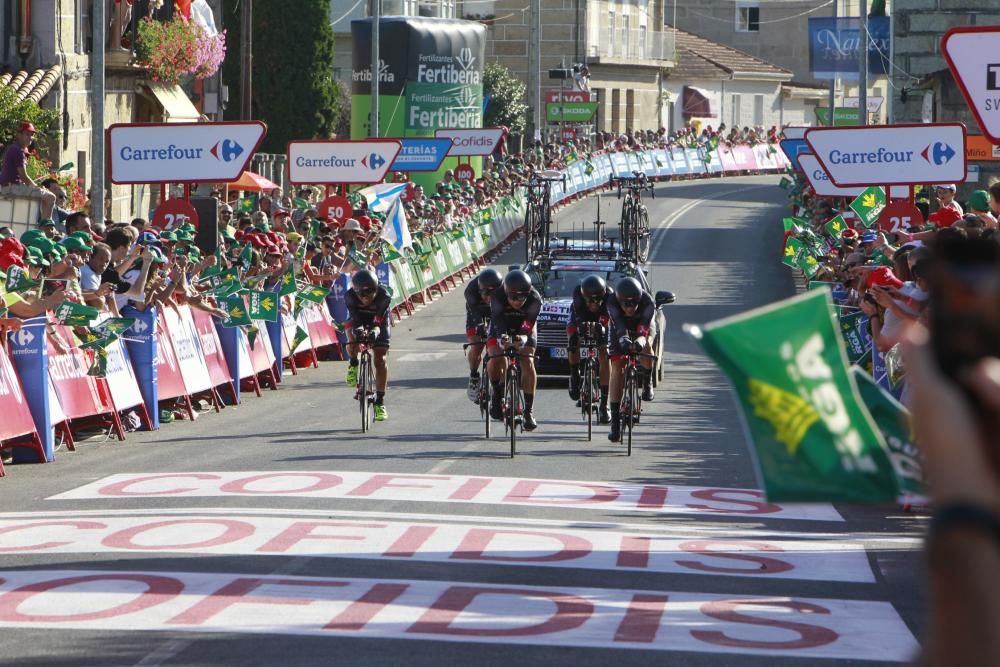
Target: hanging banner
[(17, 419), (834, 45), (29, 349)]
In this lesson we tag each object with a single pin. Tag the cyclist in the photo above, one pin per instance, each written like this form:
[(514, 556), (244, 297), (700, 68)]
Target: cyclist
[(368, 304), (477, 308), (514, 312), (590, 304), (631, 309)]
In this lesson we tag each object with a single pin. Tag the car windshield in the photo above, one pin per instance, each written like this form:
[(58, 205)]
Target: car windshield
[(560, 284)]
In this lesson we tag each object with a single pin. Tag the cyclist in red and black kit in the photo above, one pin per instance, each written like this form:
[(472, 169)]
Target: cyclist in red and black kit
[(514, 313), (590, 304), (369, 305), (631, 309), (477, 308)]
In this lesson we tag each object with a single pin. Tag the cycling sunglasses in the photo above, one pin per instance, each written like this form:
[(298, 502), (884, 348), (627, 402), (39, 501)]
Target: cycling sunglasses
[(595, 299), (631, 303), (368, 291), (517, 297)]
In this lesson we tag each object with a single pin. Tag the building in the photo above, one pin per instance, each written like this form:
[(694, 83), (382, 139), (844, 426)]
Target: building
[(925, 90), (777, 31), (713, 84), (623, 44), (52, 62)]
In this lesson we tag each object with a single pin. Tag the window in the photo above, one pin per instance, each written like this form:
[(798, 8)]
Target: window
[(643, 49), (626, 35), (758, 110), (447, 9), (611, 28), (593, 29), (747, 18), (737, 115)]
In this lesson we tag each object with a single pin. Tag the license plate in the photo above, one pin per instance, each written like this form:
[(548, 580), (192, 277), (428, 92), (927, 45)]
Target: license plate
[(557, 352)]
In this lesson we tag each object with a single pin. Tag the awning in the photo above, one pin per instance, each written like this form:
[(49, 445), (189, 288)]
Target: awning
[(252, 182), (696, 103), (177, 108)]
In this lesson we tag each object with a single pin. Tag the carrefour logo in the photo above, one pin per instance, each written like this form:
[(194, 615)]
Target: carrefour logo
[(226, 150), (374, 161), (940, 153), (24, 337)]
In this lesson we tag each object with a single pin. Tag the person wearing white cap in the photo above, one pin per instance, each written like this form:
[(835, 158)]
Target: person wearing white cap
[(946, 198), (350, 235)]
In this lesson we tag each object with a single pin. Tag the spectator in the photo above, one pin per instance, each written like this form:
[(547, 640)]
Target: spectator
[(979, 205), (946, 198), (13, 171), (59, 214)]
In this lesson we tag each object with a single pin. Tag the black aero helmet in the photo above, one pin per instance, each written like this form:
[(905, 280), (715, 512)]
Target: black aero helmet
[(364, 282), (593, 286), (517, 284), (628, 291), (489, 280)]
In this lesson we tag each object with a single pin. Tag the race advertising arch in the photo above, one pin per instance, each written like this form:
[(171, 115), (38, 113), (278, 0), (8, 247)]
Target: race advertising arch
[(430, 77)]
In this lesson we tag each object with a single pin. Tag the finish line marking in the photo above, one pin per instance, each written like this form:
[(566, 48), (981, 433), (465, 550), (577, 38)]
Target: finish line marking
[(410, 488), (559, 545), (444, 611)]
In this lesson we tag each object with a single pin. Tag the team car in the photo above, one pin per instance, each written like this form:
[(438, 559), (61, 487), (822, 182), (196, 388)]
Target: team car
[(556, 274)]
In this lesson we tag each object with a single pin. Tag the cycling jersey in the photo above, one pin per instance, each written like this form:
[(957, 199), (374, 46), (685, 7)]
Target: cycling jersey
[(505, 319), (375, 314), (581, 312), (641, 322), (476, 309)]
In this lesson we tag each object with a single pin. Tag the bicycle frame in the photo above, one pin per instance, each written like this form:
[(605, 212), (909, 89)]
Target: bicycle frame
[(365, 394)]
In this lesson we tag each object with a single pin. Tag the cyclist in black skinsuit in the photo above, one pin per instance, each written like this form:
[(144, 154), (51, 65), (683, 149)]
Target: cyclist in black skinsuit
[(590, 304), (369, 305), (514, 312), (631, 309), (478, 308)]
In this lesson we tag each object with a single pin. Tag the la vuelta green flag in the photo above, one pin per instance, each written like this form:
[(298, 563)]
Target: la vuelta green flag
[(893, 420), (869, 204), (811, 437)]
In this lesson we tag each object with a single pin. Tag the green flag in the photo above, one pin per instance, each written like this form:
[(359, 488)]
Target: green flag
[(92, 341), (99, 367), (288, 284), (893, 421), (793, 248), (246, 257), (807, 264), (263, 306), (485, 216), (300, 335), (784, 183), (251, 331), (820, 284), (811, 436), (313, 293), (19, 281), (246, 205), (75, 314), (836, 226), (457, 233), (389, 252), (869, 204), (236, 311), (357, 259), (857, 340)]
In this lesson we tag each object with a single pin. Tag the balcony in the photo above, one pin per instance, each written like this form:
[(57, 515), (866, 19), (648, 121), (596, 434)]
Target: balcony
[(634, 47)]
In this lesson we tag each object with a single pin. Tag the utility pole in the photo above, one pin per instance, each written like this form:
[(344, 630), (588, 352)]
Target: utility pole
[(535, 66), (863, 65), (246, 59), (376, 19), (97, 94), (833, 81)]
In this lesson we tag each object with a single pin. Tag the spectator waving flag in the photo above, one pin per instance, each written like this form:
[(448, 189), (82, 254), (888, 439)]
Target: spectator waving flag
[(396, 232), (382, 196), (812, 438)]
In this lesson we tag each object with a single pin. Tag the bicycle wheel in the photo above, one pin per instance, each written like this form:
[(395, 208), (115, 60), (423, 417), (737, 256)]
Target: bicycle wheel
[(587, 403), (484, 400), (363, 391), (643, 235), (529, 231), (513, 407), (628, 411)]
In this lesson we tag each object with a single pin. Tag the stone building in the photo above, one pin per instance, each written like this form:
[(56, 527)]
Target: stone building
[(55, 55), (925, 88)]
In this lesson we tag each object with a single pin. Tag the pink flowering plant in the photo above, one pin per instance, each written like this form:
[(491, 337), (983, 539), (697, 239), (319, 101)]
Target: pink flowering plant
[(172, 50)]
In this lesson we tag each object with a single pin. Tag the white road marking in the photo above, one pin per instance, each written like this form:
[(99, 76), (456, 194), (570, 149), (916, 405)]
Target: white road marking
[(559, 545), (551, 493), (422, 356), (462, 612)]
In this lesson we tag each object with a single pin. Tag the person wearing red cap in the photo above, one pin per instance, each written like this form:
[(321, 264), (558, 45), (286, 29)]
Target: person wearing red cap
[(13, 170)]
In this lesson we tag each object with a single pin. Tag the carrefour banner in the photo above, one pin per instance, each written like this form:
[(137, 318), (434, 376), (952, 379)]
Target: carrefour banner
[(834, 44)]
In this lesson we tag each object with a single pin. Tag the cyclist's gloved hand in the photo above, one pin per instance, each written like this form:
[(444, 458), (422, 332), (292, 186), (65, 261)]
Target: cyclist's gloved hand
[(521, 340), (640, 341), (625, 343), (375, 331)]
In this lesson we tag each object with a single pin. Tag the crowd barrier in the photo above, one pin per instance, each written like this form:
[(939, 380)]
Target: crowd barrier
[(181, 352)]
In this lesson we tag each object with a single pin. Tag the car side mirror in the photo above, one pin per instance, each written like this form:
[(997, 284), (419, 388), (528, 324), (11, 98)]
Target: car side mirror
[(663, 298)]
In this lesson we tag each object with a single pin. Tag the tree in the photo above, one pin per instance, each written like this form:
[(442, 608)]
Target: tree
[(507, 93), (294, 92)]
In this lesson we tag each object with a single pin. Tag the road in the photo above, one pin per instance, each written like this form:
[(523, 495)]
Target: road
[(274, 534)]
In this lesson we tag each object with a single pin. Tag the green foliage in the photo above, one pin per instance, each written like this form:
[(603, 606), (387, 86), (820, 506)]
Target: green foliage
[(14, 112), (294, 91), (507, 94)]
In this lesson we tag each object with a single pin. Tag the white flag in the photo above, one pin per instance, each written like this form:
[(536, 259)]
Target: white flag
[(396, 231)]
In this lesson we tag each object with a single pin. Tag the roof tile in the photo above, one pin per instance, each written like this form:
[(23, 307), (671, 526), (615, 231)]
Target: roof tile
[(700, 58)]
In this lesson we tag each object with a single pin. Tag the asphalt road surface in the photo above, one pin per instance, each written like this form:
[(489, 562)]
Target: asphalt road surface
[(274, 534)]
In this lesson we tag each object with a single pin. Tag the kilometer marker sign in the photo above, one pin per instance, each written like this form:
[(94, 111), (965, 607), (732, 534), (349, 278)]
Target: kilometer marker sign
[(891, 154)]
